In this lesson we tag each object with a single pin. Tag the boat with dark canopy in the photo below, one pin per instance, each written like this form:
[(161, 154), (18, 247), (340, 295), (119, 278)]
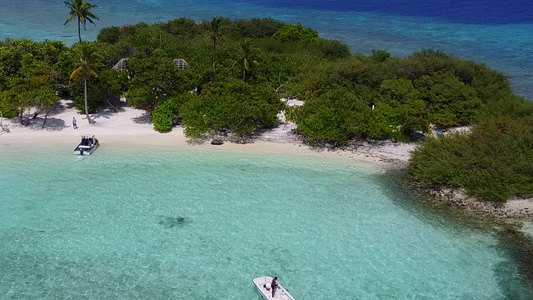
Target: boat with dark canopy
[(88, 144)]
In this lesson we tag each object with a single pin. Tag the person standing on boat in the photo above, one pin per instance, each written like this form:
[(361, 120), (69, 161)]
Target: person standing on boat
[(74, 123), (274, 285)]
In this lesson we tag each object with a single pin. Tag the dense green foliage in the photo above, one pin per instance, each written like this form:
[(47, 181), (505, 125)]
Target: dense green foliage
[(295, 33), (231, 105), (169, 111), (27, 75), (494, 162), (110, 35), (346, 96), (153, 80), (411, 94)]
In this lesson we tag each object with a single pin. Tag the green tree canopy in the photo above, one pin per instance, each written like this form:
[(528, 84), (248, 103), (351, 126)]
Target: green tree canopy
[(336, 116), (153, 80), (493, 162), (86, 65), (248, 57), (295, 33), (231, 105), (215, 34)]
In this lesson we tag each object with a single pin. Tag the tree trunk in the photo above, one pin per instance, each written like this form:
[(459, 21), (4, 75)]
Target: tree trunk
[(79, 29), (45, 118), (214, 52), (112, 106), (244, 75), (21, 117), (87, 107)]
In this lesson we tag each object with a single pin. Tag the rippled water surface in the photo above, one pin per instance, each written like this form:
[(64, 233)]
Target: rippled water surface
[(173, 224)]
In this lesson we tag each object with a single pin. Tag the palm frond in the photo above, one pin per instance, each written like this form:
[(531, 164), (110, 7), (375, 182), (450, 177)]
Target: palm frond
[(75, 73), (70, 18)]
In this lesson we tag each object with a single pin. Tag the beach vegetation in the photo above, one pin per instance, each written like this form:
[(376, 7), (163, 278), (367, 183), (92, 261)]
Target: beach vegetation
[(110, 35), (85, 69), (329, 49), (385, 97), (248, 57), (230, 105), (104, 91), (377, 96), (380, 55), (27, 75), (214, 28), (153, 80), (255, 28), (295, 33), (168, 114), (493, 162), (239, 70)]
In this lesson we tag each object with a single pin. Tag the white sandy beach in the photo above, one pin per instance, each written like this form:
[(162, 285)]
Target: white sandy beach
[(132, 127)]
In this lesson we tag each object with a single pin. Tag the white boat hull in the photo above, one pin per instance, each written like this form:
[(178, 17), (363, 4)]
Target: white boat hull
[(85, 150), (263, 287)]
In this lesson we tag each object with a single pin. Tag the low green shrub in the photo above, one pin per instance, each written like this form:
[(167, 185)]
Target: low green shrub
[(493, 162)]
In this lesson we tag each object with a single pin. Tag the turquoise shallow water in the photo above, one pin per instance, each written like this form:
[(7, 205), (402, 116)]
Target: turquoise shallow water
[(498, 33), (163, 224)]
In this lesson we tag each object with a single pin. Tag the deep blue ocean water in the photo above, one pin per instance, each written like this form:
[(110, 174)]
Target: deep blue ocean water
[(498, 33), (467, 11)]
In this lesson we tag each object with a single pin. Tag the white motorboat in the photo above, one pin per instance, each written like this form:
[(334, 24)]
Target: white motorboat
[(263, 286), (88, 144)]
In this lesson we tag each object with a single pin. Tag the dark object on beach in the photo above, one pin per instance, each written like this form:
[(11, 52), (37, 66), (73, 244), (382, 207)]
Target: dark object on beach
[(176, 121), (217, 142), (417, 136)]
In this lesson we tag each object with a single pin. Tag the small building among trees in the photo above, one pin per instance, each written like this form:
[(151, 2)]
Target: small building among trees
[(181, 63), (121, 65)]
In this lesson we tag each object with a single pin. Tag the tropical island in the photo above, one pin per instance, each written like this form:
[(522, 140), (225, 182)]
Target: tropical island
[(230, 149), (227, 78)]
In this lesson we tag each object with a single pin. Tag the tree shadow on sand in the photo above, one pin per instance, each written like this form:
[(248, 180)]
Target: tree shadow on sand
[(145, 118), (51, 124), (104, 114)]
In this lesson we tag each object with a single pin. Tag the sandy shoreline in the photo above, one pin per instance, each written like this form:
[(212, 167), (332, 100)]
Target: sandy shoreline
[(132, 127), (179, 142)]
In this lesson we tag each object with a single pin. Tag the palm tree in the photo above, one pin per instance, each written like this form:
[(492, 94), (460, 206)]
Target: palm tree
[(87, 56), (214, 34), (248, 58), (81, 10)]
